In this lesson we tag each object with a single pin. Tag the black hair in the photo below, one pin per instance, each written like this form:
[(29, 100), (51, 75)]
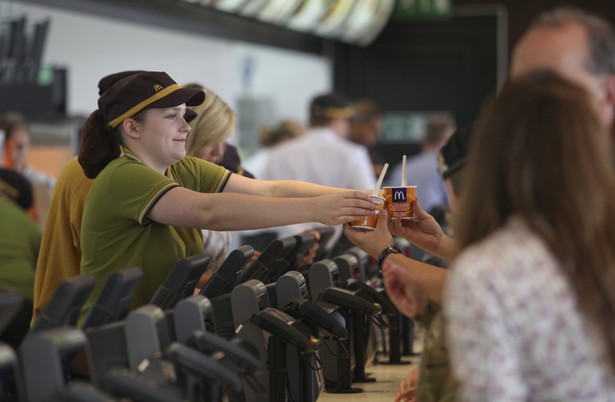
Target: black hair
[(100, 144)]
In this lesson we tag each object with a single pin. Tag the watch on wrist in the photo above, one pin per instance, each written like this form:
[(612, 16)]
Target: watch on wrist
[(385, 253)]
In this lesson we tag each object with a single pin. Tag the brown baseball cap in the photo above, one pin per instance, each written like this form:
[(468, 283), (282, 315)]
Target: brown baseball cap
[(144, 90), (108, 81), (454, 155)]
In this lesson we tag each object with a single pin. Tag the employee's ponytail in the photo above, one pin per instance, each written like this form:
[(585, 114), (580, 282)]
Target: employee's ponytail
[(100, 144)]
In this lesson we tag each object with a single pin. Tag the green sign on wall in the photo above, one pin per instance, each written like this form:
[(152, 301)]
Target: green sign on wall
[(408, 9), (408, 127)]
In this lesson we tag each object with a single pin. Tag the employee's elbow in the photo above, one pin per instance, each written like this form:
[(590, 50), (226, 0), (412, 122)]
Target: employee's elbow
[(210, 220)]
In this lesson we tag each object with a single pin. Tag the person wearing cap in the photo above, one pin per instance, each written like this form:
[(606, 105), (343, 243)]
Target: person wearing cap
[(324, 155), (416, 287), (60, 253), (20, 239), (149, 201)]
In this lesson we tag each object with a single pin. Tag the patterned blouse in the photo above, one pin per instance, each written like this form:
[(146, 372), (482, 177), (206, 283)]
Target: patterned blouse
[(514, 329)]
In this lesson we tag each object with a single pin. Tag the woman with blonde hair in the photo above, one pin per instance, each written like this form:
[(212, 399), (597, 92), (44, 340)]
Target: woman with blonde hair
[(212, 125), (211, 128)]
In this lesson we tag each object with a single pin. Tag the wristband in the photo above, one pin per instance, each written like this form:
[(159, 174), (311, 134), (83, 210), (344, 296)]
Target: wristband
[(385, 253)]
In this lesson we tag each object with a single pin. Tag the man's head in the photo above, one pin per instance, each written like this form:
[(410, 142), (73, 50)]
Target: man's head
[(438, 130), (332, 111), (366, 123), (578, 46), (451, 161)]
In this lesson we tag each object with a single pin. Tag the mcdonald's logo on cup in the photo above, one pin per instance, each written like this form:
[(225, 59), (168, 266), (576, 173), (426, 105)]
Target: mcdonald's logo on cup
[(399, 195), (399, 201)]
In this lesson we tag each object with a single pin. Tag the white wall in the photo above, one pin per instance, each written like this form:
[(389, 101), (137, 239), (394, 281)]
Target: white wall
[(91, 47), (289, 79)]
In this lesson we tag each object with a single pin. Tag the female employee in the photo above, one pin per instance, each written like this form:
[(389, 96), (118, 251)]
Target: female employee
[(148, 198)]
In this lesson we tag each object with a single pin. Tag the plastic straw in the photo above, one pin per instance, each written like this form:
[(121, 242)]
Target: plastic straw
[(380, 179), (404, 171)]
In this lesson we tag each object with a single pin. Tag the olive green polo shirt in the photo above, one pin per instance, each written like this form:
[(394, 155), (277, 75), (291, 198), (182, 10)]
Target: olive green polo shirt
[(20, 239), (116, 234)]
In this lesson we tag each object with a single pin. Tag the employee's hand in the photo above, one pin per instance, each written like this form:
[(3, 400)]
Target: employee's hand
[(423, 232), (342, 207)]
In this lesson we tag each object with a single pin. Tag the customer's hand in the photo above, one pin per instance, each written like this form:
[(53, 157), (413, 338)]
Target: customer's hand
[(407, 388), (423, 232), (405, 289)]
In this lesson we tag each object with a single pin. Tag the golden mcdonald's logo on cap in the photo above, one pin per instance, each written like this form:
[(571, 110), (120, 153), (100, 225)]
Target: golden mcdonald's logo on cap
[(158, 87)]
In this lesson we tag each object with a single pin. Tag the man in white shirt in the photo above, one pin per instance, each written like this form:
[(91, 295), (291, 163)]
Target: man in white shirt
[(323, 156)]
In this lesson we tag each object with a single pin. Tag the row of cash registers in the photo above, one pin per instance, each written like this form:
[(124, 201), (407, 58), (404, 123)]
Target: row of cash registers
[(264, 329)]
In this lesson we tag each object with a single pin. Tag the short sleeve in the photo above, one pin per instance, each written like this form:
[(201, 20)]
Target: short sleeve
[(200, 175), (140, 188)]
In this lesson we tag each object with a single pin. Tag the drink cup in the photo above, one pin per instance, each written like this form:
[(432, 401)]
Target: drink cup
[(369, 222), (399, 201)]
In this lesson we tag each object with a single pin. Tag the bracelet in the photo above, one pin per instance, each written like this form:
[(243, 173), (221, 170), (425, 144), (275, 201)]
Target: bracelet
[(385, 253)]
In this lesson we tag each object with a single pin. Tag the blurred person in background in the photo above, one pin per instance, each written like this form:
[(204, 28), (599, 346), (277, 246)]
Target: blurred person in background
[(324, 155), (231, 160), (17, 146), (270, 137), (422, 169), (365, 127), (20, 239)]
